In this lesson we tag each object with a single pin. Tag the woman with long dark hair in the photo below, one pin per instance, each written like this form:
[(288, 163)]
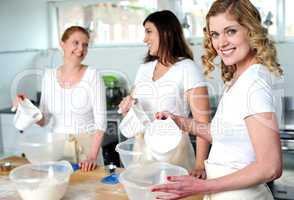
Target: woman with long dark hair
[(169, 80)]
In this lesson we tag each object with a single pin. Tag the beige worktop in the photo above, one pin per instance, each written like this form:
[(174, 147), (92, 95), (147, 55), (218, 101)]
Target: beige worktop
[(87, 185)]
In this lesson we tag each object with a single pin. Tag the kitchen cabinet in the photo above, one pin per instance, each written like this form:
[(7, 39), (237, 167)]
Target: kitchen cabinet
[(10, 136)]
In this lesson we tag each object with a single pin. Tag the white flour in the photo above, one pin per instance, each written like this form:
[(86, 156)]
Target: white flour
[(7, 189), (49, 189)]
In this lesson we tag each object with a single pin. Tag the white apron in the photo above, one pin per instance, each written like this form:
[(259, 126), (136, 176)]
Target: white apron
[(77, 147), (258, 192), (183, 156)]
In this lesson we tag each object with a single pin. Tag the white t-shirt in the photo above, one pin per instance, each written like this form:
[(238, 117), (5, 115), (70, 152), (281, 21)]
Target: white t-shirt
[(79, 109), (250, 94), (167, 93)]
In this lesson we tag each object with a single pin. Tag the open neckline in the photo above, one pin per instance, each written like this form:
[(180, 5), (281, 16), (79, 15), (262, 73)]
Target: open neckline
[(163, 75), (229, 88), (74, 85)]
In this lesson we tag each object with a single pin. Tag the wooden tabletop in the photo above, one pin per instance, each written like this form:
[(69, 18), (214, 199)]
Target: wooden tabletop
[(88, 185)]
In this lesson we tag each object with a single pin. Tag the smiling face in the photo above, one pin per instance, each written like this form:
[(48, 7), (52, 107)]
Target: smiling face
[(75, 47), (230, 40), (151, 38)]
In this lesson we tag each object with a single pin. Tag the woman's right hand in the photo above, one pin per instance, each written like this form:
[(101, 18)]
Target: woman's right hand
[(19, 98), (183, 123), (126, 104)]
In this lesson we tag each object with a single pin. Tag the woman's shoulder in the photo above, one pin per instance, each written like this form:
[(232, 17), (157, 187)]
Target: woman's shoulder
[(92, 72), (257, 77), (50, 70), (146, 67), (49, 73), (186, 63), (258, 72), (147, 64)]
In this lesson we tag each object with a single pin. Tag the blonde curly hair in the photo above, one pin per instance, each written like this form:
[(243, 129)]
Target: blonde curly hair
[(248, 16)]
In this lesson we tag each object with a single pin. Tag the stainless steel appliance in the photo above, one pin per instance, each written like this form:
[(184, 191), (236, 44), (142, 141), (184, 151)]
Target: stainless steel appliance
[(112, 136), (283, 188), (115, 91)]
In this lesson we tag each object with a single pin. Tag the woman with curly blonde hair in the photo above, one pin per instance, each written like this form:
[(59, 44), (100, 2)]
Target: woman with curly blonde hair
[(244, 130), (263, 47)]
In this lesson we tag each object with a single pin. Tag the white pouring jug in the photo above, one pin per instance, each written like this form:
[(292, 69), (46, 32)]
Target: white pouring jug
[(26, 115), (162, 137), (134, 122)]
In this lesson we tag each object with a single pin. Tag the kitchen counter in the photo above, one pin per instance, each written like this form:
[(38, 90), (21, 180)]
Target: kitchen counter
[(6, 111), (83, 185)]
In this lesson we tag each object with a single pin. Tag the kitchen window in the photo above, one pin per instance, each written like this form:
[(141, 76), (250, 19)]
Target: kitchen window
[(109, 22), (119, 22), (289, 16), (195, 11)]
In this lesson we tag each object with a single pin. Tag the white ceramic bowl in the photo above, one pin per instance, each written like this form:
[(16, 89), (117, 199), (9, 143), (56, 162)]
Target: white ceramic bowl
[(42, 147), (138, 179), (47, 181)]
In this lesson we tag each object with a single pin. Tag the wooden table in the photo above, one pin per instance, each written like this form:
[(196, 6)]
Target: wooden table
[(87, 185)]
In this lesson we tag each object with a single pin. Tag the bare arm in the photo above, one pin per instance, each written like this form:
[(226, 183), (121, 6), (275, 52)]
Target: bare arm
[(41, 122), (90, 163), (264, 135), (96, 144), (188, 125), (199, 104)]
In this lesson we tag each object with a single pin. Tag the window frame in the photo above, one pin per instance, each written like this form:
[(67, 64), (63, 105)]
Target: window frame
[(53, 42)]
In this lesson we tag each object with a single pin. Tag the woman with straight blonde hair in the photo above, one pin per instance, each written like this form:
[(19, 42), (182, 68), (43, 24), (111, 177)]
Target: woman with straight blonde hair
[(244, 130), (73, 99)]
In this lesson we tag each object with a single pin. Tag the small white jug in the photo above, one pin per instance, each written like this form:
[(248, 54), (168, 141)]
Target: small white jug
[(26, 115), (134, 122)]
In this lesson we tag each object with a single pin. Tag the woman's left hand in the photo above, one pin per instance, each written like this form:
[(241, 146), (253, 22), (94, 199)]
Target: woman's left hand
[(181, 186), (88, 165), (198, 173)]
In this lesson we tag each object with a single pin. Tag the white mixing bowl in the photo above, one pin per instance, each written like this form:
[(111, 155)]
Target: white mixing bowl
[(47, 181), (42, 147), (134, 151), (138, 179)]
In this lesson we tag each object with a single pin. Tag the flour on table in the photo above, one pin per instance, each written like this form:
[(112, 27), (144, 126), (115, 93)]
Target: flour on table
[(48, 189)]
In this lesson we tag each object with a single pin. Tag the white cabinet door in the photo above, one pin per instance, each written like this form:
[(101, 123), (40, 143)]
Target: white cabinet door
[(9, 135)]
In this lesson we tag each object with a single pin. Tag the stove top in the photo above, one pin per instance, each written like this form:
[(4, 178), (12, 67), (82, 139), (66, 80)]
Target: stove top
[(283, 188)]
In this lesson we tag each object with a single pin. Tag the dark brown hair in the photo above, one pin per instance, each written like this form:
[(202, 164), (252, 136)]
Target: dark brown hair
[(244, 12), (69, 31), (172, 43)]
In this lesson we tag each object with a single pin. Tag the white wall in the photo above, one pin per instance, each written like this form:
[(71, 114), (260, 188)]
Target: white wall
[(24, 25)]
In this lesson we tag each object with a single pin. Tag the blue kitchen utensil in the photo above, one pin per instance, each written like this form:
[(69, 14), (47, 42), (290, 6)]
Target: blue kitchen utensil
[(111, 179), (75, 166)]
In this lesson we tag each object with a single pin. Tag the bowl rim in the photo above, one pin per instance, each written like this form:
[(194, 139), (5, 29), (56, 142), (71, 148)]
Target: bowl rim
[(35, 180), (131, 141), (165, 164), (37, 144)]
